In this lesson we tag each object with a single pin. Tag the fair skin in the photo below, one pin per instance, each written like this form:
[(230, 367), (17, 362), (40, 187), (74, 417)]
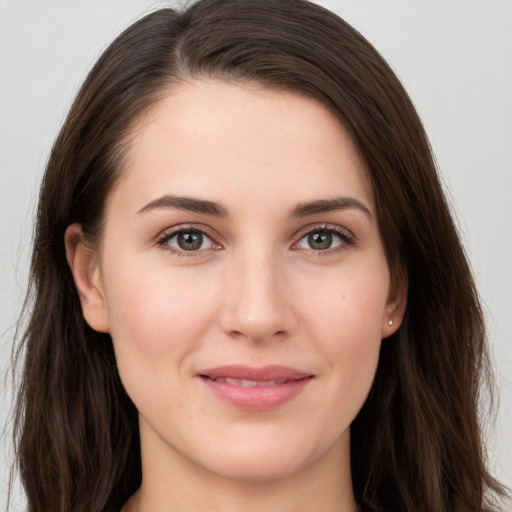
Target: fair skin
[(256, 280)]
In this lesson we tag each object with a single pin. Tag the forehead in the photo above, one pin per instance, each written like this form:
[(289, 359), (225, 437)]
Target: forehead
[(237, 141)]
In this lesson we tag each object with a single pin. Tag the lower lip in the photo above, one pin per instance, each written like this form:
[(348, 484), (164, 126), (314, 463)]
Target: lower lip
[(257, 398)]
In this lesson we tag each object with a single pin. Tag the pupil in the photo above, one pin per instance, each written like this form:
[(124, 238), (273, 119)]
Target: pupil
[(190, 241), (320, 240)]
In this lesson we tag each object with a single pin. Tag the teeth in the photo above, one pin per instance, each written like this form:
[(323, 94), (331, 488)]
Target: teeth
[(245, 383)]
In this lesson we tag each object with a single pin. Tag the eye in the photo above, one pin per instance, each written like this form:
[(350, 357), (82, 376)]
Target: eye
[(324, 239), (188, 240)]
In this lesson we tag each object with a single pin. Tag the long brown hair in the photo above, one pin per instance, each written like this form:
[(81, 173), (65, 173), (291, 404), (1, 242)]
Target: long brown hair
[(416, 445)]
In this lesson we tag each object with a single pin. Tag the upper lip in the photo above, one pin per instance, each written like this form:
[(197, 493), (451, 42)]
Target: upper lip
[(260, 374)]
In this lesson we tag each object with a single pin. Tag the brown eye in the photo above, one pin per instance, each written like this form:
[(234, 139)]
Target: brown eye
[(324, 239), (188, 240), (320, 240)]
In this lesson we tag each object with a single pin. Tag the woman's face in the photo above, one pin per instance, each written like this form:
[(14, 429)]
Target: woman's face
[(243, 280)]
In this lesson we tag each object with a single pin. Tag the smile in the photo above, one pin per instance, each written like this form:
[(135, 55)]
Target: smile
[(255, 389), (249, 383)]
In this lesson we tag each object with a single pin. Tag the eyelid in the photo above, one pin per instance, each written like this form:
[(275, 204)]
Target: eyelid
[(169, 233), (347, 237)]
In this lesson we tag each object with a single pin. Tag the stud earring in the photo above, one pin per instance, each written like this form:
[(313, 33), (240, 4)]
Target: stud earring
[(390, 322)]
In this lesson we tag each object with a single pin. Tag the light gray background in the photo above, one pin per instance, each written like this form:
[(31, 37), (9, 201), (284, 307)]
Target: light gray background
[(453, 56)]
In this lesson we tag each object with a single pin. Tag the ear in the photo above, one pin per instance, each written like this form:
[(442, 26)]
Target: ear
[(395, 306), (83, 262)]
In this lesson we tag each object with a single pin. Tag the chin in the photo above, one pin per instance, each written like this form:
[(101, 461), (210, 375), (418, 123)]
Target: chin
[(264, 460), (260, 468)]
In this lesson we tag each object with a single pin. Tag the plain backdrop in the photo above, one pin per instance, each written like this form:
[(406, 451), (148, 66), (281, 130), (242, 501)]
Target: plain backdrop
[(453, 56)]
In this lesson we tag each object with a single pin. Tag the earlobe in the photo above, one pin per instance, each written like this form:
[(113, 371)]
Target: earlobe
[(395, 308), (83, 262)]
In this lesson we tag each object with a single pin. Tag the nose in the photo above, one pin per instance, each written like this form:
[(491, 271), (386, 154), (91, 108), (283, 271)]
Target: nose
[(257, 301)]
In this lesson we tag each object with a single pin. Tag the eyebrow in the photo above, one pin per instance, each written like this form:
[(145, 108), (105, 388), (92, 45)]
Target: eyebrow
[(329, 205), (301, 210), (188, 204)]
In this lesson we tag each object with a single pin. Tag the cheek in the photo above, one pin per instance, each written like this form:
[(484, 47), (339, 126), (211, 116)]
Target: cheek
[(345, 316), (349, 305), (156, 318)]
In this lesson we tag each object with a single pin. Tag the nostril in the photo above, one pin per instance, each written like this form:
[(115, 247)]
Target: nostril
[(258, 336)]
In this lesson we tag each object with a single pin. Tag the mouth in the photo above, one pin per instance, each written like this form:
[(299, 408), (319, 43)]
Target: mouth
[(255, 389), (245, 383)]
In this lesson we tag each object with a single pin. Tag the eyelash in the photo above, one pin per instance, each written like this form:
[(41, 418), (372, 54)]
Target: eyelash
[(345, 236), (347, 239), (168, 235)]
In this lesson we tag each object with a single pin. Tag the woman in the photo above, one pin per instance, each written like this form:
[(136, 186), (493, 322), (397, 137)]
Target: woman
[(249, 291)]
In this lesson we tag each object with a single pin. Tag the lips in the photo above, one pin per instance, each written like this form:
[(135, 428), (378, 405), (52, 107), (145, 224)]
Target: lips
[(245, 383), (255, 389)]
